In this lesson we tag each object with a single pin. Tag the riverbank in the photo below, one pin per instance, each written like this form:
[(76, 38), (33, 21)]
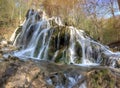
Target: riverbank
[(43, 74)]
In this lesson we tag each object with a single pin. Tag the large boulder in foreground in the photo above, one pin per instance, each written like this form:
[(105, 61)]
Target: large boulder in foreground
[(15, 73), (19, 74)]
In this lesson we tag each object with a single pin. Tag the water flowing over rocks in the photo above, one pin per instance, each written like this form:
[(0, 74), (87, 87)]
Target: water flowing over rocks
[(48, 39), (49, 54), (16, 73)]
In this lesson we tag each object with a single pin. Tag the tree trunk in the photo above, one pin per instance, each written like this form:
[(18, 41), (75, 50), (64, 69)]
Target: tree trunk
[(119, 4)]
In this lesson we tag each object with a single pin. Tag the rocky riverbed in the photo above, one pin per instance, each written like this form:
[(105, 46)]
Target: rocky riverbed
[(18, 73)]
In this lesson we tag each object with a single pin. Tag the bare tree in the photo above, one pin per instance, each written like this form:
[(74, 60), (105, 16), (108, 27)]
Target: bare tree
[(118, 3)]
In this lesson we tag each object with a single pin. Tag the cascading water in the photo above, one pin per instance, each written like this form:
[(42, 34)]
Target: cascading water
[(48, 39)]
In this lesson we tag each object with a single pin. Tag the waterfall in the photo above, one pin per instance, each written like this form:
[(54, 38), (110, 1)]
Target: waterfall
[(48, 39), (44, 38)]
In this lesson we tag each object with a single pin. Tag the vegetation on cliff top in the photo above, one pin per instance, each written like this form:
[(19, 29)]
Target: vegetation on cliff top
[(89, 15)]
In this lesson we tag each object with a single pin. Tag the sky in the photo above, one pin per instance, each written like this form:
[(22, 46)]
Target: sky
[(115, 6), (102, 8)]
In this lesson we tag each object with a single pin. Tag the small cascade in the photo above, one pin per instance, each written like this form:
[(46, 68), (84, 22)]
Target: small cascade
[(67, 80), (48, 39)]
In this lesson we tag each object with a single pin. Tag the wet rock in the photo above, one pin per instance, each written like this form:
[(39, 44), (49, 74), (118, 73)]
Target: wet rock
[(118, 62), (16, 73), (5, 47), (115, 46)]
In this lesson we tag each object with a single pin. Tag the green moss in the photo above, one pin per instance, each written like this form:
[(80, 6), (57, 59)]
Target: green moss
[(101, 79)]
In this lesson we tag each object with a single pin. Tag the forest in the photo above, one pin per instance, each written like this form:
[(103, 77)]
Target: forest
[(99, 18)]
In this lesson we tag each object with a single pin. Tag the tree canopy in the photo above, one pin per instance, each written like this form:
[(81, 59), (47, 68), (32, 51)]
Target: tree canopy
[(97, 17)]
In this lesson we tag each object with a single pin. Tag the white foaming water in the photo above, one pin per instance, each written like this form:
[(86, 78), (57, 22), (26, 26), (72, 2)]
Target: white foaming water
[(55, 55), (37, 35), (72, 45), (83, 85)]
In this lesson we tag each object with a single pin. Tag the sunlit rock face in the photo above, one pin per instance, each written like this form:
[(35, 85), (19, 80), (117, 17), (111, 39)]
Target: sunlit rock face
[(48, 39)]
